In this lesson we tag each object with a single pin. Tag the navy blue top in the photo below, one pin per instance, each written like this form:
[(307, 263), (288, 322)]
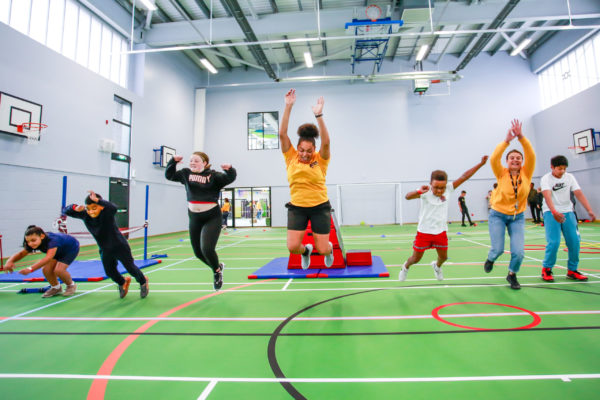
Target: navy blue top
[(64, 244), (200, 186), (103, 228)]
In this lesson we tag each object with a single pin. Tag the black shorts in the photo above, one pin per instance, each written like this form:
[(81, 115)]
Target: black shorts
[(319, 217)]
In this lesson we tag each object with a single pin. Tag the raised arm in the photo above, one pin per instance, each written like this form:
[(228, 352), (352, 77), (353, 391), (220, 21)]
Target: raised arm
[(415, 194), (171, 172), (325, 141), (284, 139), (496, 157), (469, 173), (75, 211), (227, 177)]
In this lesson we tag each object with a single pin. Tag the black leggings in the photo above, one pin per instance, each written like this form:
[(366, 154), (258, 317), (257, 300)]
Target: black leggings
[(205, 228), (123, 253)]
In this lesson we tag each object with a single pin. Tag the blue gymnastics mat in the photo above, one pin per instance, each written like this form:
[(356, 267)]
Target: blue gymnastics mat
[(277, 268), (81, 271)]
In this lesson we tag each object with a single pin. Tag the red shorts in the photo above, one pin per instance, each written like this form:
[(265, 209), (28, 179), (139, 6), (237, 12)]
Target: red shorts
[(425, 241)]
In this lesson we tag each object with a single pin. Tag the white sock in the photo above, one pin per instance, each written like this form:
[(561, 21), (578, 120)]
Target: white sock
[(72, 283), (57, 286)]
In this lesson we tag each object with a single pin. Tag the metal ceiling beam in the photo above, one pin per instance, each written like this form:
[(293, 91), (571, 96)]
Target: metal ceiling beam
[(205, 10), (239, 56), (501, 39), (544, 38), (486, 37), (234, 8), (274, 6), (288, 50)]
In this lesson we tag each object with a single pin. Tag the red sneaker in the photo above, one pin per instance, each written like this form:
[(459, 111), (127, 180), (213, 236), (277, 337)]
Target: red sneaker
[(547, 275), (576, 276)]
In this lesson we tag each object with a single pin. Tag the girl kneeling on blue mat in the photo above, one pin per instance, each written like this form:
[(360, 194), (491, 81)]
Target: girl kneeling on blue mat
[(61, 250)]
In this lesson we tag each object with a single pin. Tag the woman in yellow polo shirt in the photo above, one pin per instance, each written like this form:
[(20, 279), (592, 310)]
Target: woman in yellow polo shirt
[(509, 201), (306, 171)]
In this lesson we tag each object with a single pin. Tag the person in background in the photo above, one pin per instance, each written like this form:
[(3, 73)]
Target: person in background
[(532, 202), (225, 209), (462, 204)]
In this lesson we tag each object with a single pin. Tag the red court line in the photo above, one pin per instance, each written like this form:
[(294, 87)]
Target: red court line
[(98, 388)]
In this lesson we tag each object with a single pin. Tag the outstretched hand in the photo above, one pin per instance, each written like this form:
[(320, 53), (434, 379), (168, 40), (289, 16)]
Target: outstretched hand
[(93, 196), (25, 271), (318, 108), (79, 208), (424, 189), (8, 267), (516, 128), (226, 167), (484, 160), (177, 158), (290, 97)]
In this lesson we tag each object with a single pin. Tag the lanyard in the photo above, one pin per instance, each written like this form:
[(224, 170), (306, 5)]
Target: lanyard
[(515, 185)]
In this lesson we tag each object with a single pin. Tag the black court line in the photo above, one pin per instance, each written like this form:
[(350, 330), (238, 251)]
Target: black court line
[(234, 334), (291, 389)]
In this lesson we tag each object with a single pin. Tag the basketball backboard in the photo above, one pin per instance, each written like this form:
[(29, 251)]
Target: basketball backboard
[(584, 141), (15, 112)]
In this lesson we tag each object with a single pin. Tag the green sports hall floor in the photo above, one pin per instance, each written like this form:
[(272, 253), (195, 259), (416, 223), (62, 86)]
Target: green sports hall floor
[(313, 339)]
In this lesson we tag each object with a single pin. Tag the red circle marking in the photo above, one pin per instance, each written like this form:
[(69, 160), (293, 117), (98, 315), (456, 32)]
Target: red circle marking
[(535, 247), (436, 315), (596, 250)]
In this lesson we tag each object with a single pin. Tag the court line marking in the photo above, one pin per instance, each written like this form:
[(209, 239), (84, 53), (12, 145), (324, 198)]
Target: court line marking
[(287, 284), (563, 377), (441, 286), (99, 290), (208, 389), (98, 387), (269, 319)]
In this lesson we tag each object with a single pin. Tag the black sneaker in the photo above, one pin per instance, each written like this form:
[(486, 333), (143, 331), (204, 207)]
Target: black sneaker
[(512, 279), (144, 289), (488, 266), (218, 277)]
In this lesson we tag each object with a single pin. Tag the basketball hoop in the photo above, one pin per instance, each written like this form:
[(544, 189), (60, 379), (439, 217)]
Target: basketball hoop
[(32, 130), (576, 150), (373, 12)]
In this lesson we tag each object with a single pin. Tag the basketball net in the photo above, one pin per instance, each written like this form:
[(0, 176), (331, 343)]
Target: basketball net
[(32, 130)]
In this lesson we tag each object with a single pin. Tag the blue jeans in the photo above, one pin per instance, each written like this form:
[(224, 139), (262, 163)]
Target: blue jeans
[(572, 239), (515, 224)]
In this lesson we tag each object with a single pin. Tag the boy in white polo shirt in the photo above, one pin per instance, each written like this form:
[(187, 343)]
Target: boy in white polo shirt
[(433, 217), (559, 216)]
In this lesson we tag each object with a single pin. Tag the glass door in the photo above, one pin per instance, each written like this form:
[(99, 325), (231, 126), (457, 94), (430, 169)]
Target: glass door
[(225, 199), (261, 206), (242, 207)]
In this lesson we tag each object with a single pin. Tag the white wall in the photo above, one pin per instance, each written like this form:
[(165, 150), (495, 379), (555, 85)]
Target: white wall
[(555, 127), (383, 132), (76, 103)]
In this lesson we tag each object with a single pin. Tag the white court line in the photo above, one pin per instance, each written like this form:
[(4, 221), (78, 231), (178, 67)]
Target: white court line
[(563, 377), (99, 290), (287, 284), (277, 319), (441, 286), (208, 389)]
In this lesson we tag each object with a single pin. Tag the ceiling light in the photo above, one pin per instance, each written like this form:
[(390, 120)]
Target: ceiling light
[(149, 5), (520, 47), (422, 52), (308, 60), (208, 65)]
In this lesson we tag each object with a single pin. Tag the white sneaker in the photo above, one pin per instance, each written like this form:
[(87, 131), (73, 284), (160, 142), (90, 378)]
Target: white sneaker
[(403, 273), (306, 259), (437, 271), (329, 257)]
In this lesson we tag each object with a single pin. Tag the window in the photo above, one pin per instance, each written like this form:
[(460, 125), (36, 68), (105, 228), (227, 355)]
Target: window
[(263, 130), (573, 73), (121, 135), (69, 28)]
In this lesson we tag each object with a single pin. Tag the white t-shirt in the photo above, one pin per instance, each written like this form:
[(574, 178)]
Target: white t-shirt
[(561, 191), (433, 215)]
